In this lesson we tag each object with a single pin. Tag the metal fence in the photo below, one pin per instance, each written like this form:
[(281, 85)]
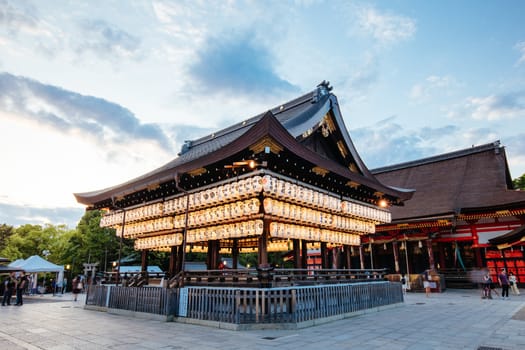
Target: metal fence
[(159, 301), (249, 305)]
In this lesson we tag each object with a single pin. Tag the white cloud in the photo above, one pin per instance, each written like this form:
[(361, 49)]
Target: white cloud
[(23, 22), (386, 28), (432, 85), (180, 20), (106, 40), (521, 48), (49, 166), (496, 107)]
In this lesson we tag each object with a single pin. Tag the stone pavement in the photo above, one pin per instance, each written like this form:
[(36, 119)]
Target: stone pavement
[(455, 319)]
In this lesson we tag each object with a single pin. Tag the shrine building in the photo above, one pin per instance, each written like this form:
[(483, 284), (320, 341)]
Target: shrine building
[(464, 217), (287, 179)]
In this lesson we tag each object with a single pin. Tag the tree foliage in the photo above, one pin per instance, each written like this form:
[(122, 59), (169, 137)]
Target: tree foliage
[(519, 183), (6, 231), (30, 240), (88, 243)]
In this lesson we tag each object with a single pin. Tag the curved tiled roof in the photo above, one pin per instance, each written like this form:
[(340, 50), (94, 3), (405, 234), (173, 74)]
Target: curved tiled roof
[(287, 123), (453, 183)]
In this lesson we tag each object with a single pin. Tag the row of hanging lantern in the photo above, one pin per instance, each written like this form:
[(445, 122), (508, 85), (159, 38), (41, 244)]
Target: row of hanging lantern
[(219, 213), (316, 217), (312, 198), (273, 246), (219, 232), (365, 212), (245, 188), (144, 212), (112, 219), (282, 230), (299, 194), (168, 240), (133, 230)]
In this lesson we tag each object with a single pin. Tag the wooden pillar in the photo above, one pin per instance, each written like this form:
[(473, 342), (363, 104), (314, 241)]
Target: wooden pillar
[(215, 258), (304, 254), (173, 261), (442, 261), (477, 254), (406, 257), (336, 258), (179, 266), (431, 262), (371, 246), (235, 253), (347, 257), (361, 256), (395, 249), (324, 259), (209, 253), (144, 261), (296, 246), (262, 243), (263, 248)]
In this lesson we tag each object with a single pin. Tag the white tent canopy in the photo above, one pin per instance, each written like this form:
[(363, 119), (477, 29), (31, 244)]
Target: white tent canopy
[(36, 264)]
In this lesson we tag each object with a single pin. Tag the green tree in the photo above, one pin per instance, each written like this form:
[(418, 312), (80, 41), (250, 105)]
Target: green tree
[(6, 231), (94, 243), (28, 240), (519, 183)]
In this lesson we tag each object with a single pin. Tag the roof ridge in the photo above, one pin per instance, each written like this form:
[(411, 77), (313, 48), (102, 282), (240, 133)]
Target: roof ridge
[(440, 157), (311, 97)]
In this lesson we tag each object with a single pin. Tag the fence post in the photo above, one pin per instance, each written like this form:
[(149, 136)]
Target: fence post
[(237, 306), (107, 296)]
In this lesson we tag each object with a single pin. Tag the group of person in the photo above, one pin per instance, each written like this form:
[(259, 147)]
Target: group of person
[(17, 283), (14, 283), (505, 281)]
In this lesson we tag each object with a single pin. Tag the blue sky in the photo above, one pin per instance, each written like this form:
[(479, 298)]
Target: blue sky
[(95, 93)]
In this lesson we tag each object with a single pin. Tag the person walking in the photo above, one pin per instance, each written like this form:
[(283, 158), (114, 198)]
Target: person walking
[(504, 284), (77, 286), (513, 281), (487, 286), (9, 285), (404, 283), (427, 279), (20, 287)]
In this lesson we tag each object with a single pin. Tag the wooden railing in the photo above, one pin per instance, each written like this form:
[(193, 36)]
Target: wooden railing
[(250, 305), (274, 277)]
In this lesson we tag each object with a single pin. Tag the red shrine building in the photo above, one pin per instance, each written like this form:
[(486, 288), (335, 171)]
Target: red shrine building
[(464, 215)]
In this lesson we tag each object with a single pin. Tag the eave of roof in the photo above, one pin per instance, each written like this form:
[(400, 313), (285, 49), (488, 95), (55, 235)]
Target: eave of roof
[(438, 158), (213, 142), (267, 126), (292, 119), (510, 238)]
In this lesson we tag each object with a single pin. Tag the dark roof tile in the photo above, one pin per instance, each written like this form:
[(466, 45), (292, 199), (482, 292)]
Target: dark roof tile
[(476, 177)]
